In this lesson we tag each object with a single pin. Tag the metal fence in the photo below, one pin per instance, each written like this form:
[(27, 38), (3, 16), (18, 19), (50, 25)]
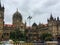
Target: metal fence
[(31, 44), (25, 44)]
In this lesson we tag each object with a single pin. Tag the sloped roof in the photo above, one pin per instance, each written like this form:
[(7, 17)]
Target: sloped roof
[(34, 24)]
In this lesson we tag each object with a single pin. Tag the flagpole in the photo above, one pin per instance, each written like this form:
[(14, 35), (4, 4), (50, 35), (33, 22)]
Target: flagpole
[(29, 20)]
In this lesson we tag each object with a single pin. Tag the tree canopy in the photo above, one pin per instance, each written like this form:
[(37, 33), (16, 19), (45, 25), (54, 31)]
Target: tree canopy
[(46, 37), (17, 35)]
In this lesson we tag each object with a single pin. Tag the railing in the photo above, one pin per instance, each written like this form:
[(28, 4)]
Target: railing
[(31, 44), (25, 44)]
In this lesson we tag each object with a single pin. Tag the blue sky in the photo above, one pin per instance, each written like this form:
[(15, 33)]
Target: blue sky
[(40, 10)]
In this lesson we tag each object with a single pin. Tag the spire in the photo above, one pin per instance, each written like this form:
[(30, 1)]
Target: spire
[(0, 3), (3, 6), (57, 18), (51, 17), (25, 23), (39, 23), (17, 12), (17, 9)]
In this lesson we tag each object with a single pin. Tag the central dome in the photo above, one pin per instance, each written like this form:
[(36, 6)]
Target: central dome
[(17, 15)]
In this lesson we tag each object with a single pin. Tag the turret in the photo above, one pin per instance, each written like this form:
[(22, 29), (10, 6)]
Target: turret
[(1, 11), (57, 18), (1, 8), (51, 17), (1, 20)]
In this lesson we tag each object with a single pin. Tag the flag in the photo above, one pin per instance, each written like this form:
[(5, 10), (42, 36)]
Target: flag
[(29, 17)]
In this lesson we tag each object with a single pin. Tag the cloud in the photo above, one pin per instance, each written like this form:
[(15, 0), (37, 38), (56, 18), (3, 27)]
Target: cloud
[(39, 9)]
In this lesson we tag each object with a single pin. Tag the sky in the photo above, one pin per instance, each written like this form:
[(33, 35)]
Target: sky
[(40, 10)]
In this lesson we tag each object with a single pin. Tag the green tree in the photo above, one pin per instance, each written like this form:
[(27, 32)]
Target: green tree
[(12, 36), (46, 37), (17, 35)]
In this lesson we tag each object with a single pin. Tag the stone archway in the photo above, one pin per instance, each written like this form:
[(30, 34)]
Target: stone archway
[(58, 38)]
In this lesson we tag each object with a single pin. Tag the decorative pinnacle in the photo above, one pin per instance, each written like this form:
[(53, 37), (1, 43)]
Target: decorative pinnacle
[(17, 9), (0, 3)]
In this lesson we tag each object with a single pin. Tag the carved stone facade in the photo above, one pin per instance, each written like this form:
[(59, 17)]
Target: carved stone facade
[(53, 27), (32, 33), (5, 29), (1, 20)]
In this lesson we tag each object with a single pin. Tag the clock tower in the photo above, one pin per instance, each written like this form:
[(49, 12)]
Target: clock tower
[(1, 20)]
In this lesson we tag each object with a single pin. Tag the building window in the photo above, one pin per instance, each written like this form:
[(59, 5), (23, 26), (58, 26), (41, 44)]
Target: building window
[(21, 26)]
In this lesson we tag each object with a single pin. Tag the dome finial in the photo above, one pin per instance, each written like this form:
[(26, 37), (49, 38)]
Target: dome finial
[(17, 15), (17, 9)]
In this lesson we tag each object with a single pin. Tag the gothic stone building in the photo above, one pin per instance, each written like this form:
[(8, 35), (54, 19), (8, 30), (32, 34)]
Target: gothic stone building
[(32, 33), (5, 29), (53, 27)]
